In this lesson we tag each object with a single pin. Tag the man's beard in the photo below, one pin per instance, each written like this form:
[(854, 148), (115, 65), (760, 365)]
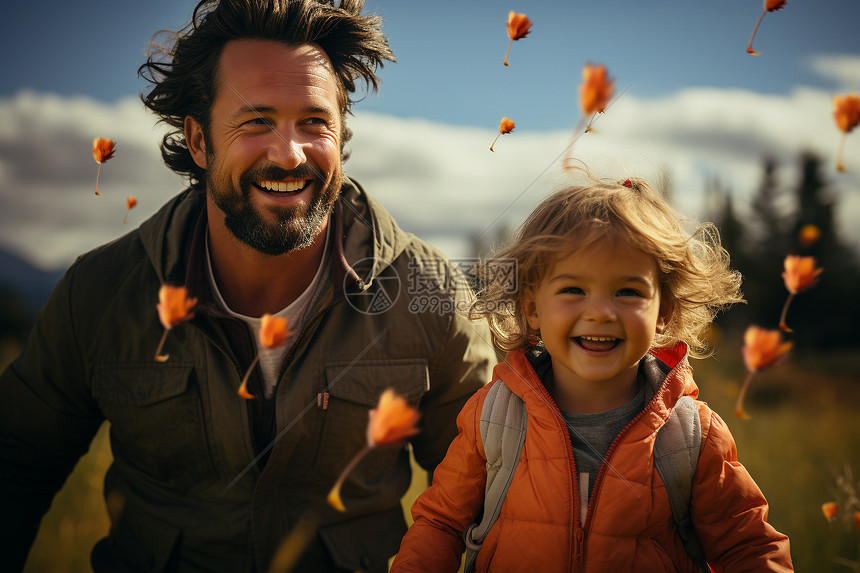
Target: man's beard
[(293, 230)]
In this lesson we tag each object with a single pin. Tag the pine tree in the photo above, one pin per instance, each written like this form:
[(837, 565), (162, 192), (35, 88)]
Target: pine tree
[(825, 317)]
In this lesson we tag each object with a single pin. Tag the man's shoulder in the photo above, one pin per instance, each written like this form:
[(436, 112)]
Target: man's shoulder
[(100, 273), (166, 230)]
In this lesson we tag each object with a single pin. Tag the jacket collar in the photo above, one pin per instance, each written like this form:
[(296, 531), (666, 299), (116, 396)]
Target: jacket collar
[(668, 381), (367, 240)]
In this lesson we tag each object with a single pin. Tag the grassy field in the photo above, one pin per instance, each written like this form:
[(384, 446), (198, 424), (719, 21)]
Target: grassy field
[(803, 432)]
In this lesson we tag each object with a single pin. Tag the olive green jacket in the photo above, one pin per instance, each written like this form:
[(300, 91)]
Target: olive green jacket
[(203, 480)]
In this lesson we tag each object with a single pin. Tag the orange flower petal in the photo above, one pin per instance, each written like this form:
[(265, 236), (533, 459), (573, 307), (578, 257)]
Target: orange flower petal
[(764, 348), (519, 25), (774, 5), (103, 149), (391, 421), (505, 126), (809, 234), (596, 89), (273, 331), (130, 203), (846, 112), (856, 519), (830, 510), (800, 273), (174, 305)]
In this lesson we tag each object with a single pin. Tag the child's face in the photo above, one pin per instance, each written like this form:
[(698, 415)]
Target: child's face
[(598, 310)]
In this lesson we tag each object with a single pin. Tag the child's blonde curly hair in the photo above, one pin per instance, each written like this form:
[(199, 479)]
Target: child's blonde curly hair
[(695, 278)]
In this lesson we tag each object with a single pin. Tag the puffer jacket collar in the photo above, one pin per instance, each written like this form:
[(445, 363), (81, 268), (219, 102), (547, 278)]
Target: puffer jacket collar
[(519, 374), (368, 239)]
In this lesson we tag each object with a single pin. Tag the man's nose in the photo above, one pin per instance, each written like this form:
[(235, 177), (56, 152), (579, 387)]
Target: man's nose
[(286, 150)]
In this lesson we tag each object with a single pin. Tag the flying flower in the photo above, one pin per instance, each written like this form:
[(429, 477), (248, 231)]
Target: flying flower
[(505, 126), (392, 421), (596, 89), (809, 234), (856, 519), (767, 6), (762, 349), (830, 510), (273, 333), (800, 274), (103, 149), (846, 113), (594, 94), (130, 203), (174, 306), (519, 26)]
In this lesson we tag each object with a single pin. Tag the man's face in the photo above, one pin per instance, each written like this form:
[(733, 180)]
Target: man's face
[(272, 154)]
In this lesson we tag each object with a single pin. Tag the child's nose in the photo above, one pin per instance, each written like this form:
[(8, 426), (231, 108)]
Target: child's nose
[(599, 309)]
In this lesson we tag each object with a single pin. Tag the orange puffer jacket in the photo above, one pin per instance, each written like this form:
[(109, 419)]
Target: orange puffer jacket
[(628, 525)]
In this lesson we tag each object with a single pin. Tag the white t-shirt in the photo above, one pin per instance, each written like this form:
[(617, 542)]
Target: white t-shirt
[(271, 359)]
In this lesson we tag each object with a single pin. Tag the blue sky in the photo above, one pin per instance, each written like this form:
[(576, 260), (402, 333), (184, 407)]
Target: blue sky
[(450, 51), (695, 106)]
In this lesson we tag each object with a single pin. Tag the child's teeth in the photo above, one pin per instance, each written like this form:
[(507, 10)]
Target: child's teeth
[(599, 338)]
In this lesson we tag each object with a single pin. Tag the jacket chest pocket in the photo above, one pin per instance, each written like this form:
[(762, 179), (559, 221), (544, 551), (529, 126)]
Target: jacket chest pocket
[(157, 423), (353, 390)]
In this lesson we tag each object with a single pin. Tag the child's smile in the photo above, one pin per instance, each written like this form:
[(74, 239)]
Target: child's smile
[(598, 310), (597, 343)]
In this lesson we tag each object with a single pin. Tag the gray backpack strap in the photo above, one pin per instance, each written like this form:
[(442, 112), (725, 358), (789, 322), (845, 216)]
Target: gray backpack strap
[(503, 431), (676, 455)]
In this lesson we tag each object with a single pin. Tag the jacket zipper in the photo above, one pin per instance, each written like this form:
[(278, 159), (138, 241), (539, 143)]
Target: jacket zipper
[(598, 482), (578, 534)]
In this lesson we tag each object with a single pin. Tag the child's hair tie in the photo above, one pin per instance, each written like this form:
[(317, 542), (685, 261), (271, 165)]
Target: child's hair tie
[(628, 183)]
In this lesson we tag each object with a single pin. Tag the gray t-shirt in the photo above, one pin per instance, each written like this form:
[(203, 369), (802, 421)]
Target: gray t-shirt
[(592, 434)]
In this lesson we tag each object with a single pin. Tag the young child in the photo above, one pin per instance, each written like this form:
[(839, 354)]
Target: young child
[(612, 297)]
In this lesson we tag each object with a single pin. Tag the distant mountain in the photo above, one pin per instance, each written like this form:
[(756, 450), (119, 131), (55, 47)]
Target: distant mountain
[(32, 286)]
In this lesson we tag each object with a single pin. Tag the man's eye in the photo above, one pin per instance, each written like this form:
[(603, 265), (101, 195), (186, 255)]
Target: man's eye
[(258, 121), (316, 121)]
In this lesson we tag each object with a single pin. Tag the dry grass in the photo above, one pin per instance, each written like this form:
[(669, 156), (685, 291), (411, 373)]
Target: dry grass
[(77, 518)]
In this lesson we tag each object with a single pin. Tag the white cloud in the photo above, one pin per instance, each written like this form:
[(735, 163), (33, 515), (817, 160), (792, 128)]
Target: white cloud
[(843, 69), (439, 181), (48, 211)]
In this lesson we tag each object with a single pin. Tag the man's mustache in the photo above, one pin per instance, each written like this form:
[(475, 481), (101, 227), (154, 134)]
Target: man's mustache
[(275, 173)]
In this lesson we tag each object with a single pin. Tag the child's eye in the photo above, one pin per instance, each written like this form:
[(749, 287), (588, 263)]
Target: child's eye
[(571, 290), (629, 292)]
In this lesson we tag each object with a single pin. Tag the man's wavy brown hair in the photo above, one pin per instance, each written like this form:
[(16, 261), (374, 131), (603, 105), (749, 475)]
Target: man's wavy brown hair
[(695, 278), (184, 71)]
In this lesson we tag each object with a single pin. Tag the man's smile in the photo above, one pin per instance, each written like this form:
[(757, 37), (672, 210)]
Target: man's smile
[(292, 186)]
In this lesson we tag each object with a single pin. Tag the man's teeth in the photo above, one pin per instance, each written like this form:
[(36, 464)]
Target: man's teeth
[(599, 338), (283, 186)]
